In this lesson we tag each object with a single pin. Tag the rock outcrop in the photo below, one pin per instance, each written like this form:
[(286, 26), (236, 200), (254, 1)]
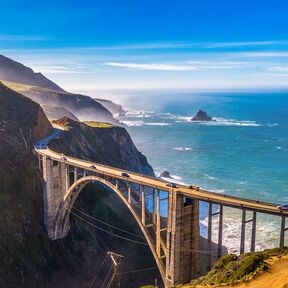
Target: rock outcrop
[(201, 116), (114, 108), (165, 174), (110, 146)]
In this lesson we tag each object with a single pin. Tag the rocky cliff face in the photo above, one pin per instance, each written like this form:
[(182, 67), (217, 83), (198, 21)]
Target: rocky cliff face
[(13, 71), (111, 106), (27, 257), (110, 146)]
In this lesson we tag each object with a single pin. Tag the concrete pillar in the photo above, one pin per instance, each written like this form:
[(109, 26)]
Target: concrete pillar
[(282, 232), (129, 192), (242, 240), (143, 205), (75, 174), (183, 240), (253, 232), (55, 185)]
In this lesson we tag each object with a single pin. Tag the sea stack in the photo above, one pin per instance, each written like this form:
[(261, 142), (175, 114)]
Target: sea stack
[(201, 116), (165, 174)]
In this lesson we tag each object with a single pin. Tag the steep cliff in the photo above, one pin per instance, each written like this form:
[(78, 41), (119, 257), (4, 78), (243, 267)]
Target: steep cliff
[(111, 146), (27, 257), (111, 106)]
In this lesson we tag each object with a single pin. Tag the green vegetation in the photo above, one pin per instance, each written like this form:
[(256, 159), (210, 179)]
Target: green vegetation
[(98, 124), (17, 86), (232, 268)]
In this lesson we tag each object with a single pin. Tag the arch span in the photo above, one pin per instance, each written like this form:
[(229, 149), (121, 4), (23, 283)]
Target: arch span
[(62, 222)]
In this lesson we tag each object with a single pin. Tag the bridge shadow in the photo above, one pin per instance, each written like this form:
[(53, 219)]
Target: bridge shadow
[(102, 203)]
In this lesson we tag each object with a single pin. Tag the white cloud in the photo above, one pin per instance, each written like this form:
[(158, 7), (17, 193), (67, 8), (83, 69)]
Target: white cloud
[(262, 54), (183, 66), (278, 69), (58, 70), (154, 66), (242, 44)]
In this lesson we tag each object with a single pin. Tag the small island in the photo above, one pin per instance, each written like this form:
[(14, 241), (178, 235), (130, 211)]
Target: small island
[(201, 116)]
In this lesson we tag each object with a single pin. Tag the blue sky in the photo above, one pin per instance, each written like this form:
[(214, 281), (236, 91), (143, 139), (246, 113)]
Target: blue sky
[(162, 44)]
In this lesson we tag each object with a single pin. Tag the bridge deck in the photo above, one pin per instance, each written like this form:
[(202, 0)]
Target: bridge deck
[(212, 197)]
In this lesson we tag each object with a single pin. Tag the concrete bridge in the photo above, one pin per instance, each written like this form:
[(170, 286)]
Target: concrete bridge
[(175, 242)]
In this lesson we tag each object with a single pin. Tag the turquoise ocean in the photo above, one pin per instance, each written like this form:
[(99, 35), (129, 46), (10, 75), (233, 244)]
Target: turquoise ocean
[(242, 152)]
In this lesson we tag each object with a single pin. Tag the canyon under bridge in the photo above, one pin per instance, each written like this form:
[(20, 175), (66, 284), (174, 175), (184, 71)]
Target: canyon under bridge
[(175, 240)]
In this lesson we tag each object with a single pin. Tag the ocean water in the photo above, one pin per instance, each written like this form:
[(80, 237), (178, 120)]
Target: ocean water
[(242, 152)]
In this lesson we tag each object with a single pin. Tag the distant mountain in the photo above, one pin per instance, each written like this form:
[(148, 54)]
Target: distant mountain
[(42, 90), (114, 108), (56, 112), (17, 72)]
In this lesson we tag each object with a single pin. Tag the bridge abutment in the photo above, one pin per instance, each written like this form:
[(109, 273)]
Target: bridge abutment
[(183, 240), (56, 181)]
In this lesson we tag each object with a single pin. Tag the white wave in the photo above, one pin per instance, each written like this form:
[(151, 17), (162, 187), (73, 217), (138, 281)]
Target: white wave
[(157, 124), (230, 122), (267, 234), (272, 124), (279, 148), (174, 180), (176, 177), (139, 123), (133, 123), (216, 121), (211, 177), (139, 113), (218, 190), (184, 149)]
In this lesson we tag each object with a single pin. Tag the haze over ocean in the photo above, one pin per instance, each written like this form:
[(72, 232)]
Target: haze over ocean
[(243, 152)]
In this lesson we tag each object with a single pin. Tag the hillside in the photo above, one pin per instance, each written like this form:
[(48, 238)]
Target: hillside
[(27, 257), (266, 269), (55, 112), (16, 72), (45, 92), (83, 107)]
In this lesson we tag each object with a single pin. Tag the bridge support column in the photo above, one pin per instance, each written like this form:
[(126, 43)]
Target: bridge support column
[(55, 184), (183, 240)]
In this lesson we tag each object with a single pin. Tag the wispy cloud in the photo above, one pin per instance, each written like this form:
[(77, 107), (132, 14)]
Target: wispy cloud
[(278, 69), (154, 66), (245, 44), (58, 70), (186, 66), (271, 54)]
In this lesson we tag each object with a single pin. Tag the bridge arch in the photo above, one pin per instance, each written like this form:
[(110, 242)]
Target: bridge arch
[(70, 196)]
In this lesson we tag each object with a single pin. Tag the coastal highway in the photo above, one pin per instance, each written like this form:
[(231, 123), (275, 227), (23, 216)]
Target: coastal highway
[(200, 194)]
